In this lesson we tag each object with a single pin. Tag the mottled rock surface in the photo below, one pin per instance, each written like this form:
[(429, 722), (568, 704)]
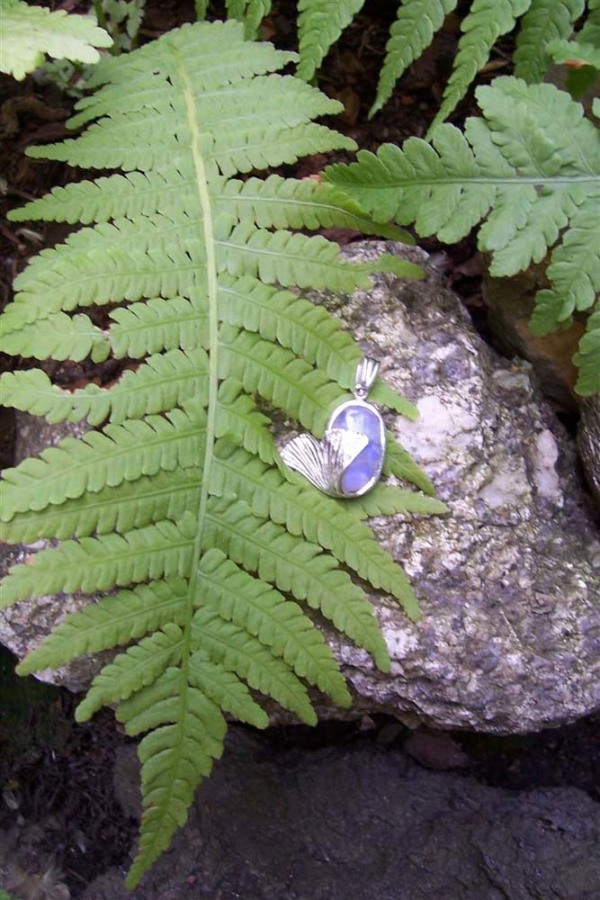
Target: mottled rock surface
[(509, 581), (363, 823), (589, 443)]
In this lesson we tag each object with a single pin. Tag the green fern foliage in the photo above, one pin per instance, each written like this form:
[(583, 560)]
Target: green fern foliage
[(587, 357), (486, 21), (250, 12), (27, 33), (202, 552), (413, 31), (544, 22), (529, 170), (544, 29), (320, 24)]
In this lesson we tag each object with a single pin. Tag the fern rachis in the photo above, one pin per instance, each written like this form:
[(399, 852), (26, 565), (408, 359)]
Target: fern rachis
[(206, 550)]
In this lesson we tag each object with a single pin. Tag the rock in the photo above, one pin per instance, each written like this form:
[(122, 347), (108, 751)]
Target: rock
[(361, 822), (510, 303), (435, 750), (589, 443), (509, 581)]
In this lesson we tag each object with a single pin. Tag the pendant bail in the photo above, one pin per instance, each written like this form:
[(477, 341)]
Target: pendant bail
[(366, 374)]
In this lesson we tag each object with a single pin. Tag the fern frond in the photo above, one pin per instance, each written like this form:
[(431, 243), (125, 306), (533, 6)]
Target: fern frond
[(279, 377), (587, 358), (176, 505), (64, 337), (175, 758), (283, 202), (574, 272), (531, 165), (401, 464), (157, 324), (112, 197), (562, 51), (544, 22), (387, 500), (226, 690), (133, 504), (485, 22), (590, 30), (320, 24), (250, 12), (417, 22), (27, 33), (273, 203), (321, 520)]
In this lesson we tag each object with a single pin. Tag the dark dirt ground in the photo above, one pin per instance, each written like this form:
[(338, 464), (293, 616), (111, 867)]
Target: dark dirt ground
[(58, 812)]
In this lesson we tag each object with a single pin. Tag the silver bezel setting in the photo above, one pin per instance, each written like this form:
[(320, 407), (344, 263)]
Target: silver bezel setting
[(357, 401)]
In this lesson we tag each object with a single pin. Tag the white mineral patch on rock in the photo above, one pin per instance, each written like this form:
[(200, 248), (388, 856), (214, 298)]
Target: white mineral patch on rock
[(545, 474), (509, 485)]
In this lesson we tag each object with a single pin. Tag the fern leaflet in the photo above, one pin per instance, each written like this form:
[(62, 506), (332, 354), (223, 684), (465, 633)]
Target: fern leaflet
[(320, 24), (481, 27), (413, 31), (28, 32), (544, 22), (587, 358)]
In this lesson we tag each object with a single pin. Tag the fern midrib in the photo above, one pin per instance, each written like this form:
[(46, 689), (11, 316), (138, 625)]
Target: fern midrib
[(515, 181), (213, 345)]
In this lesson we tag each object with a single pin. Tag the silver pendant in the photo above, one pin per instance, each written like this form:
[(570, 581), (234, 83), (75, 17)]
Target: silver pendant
[(347, 462)]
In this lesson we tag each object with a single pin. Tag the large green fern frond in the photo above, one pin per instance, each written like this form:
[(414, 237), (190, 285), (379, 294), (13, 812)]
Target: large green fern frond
[(529, 170), (204, 551)]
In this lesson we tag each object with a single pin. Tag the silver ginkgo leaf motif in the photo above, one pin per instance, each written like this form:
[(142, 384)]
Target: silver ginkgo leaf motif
[(347, 462)]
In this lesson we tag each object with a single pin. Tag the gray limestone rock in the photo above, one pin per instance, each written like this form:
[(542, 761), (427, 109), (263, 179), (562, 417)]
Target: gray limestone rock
[(589, 443), (509, 580), (362, 823)]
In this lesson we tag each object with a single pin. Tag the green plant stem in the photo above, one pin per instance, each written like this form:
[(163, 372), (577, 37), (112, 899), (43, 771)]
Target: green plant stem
[(100, 14)]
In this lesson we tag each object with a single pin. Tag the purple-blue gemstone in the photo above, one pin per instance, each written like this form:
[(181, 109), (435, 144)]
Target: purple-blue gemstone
[(362, 419)]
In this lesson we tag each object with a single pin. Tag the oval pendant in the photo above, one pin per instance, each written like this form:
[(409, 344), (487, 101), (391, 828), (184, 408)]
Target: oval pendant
[(348, 461)]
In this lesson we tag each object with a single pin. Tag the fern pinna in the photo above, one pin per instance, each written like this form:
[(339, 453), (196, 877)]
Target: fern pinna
[(176, 508)]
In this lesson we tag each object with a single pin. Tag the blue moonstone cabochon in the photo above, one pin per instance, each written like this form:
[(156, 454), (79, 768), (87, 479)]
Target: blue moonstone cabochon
[(365, 469)]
